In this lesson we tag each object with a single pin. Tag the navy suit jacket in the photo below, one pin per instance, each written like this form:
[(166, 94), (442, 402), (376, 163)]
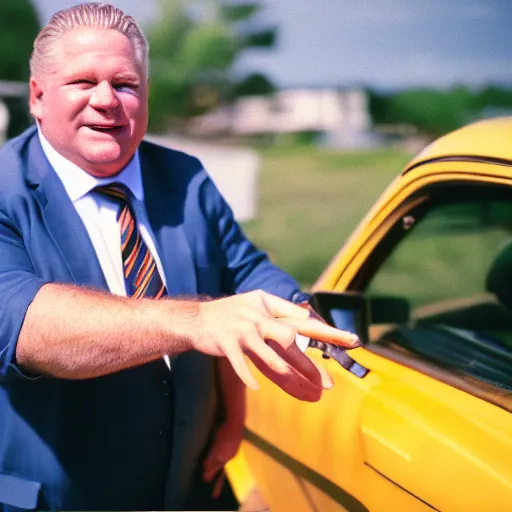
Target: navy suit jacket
[(105, 443)]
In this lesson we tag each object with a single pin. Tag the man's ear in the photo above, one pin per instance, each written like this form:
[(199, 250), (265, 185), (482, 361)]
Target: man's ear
[(35, 98)]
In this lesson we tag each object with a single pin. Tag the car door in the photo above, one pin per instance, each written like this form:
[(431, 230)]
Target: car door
[(430, 426), (437, 426)]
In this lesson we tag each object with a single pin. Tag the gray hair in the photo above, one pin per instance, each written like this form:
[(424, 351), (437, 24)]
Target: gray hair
[(96, 15)]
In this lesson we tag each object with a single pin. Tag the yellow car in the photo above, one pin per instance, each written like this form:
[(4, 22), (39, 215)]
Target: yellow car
[(420, 417)]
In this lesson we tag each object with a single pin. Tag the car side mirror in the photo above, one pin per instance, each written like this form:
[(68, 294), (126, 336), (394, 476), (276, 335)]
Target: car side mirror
[(346, 311)]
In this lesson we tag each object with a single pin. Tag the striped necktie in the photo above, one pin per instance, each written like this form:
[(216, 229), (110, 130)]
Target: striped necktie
[(140, 271)]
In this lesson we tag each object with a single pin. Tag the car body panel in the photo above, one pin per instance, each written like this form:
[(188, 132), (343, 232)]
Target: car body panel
[(397, 447), (407, 435), (490, 139)]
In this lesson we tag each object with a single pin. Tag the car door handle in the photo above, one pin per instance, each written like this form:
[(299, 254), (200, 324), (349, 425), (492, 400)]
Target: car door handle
[(339, 354)]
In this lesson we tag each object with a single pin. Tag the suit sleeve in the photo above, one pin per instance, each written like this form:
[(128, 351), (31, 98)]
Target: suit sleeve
[(245, 268), (18, 287)]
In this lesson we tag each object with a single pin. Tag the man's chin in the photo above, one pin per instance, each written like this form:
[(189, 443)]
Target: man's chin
[(105, 163)]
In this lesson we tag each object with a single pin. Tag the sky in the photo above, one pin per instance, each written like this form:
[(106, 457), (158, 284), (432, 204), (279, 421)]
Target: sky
[(384, 44)]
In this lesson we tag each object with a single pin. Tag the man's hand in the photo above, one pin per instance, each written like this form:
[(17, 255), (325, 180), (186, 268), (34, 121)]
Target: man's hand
[(263, 327), (252, 317)]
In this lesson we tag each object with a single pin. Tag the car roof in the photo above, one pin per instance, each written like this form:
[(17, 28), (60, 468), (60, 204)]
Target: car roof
[(489, 140)]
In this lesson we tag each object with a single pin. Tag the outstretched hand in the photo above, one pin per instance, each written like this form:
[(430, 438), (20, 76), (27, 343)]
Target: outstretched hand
[(263, 327)]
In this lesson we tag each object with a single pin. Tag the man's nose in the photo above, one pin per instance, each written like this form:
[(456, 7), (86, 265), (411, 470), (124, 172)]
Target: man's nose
[(104, 96)]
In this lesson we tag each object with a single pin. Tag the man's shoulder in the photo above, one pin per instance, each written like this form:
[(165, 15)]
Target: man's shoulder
[(171, 160), (165, 169), (16, 145)]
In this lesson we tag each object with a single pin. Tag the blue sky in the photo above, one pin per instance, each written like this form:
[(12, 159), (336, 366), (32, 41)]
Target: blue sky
[(379, 43)]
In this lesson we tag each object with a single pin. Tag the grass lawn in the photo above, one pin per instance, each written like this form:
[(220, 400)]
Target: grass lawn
[(311, 199)]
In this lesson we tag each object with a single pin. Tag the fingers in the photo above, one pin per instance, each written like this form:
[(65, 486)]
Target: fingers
[(280, 332), (313, 313), (211, 467), (299, 361), (219, 483), (268, 356), (239, 364), (306, 321), (326, 380), (214, 470), (278, 307), (225, 443), (302, 379), (286, 366), (318, 330), (294, 383), (264, 327), (296, 374)]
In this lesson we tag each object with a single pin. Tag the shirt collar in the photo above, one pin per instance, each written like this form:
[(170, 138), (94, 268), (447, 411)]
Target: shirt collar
[(79, 183)]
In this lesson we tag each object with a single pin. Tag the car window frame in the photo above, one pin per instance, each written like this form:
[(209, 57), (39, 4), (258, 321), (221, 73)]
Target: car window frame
[(420, 203), (391, 232)]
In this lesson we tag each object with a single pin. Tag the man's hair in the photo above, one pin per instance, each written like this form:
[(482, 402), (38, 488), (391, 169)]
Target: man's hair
[(95, 15)]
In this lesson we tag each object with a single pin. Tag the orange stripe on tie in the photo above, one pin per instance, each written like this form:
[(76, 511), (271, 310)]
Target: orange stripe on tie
[(140, 271)]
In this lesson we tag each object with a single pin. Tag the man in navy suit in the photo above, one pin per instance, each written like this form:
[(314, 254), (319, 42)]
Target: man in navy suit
[(110, 403)]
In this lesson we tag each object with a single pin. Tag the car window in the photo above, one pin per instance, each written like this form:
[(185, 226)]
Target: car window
[(452, 267)]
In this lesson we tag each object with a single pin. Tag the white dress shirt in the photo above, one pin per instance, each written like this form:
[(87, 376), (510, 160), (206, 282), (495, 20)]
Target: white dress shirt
[(99, 212)]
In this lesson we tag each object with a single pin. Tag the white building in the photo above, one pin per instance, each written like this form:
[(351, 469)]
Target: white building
[(341, 115)]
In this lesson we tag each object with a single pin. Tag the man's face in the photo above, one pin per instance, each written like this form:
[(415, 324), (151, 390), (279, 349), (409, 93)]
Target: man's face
[(91, 99)]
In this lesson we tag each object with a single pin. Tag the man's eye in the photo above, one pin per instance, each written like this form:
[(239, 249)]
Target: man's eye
[(129, 88), (83, 84)]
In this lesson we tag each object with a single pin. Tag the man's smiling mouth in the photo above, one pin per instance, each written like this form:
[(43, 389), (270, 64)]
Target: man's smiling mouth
[(105, 129)]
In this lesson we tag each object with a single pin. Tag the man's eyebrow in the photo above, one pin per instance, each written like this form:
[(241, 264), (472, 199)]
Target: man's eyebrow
[(121, 75), (131, 77), (71, 75)]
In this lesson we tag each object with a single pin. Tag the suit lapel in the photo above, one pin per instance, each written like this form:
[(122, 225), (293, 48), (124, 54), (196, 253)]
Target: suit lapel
[(165, 207), (62, 221)]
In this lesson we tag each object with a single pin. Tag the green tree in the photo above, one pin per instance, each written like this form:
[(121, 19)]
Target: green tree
[(19, 26), (494, 96), (434, 112), (254, 84), (194, 45)]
